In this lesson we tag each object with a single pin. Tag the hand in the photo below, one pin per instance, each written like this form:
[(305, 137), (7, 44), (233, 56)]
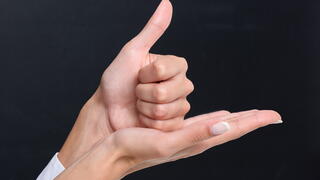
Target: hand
[(138, 89), (155, 85), (132, 149)]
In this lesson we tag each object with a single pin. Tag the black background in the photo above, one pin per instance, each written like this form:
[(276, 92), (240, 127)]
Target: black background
[(242, 54)]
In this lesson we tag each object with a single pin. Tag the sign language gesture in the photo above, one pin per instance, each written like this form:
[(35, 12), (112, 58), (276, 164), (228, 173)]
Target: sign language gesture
[(135, 119), (140, 89)]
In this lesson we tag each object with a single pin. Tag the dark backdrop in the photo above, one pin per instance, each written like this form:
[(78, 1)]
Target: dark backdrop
[(243, 54)]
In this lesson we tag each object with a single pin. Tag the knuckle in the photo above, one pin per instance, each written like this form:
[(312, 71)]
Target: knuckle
[(239, 129), (159, 69), (259, 121), (184, 62), (187, 107), (199, 137), (159, 93), (181, 60), (130, 48), (158, 26), (159, 111), (190, 86)]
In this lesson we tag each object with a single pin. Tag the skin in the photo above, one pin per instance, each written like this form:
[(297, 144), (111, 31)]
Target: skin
[(142, 98), (132, 149), (138, 89)]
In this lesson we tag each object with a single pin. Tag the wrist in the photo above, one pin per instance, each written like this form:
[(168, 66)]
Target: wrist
[(104, 161), (114, 163), (90, 127)]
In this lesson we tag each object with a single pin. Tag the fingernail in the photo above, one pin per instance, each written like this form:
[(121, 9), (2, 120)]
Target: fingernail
[(220, 128), (278, 122)]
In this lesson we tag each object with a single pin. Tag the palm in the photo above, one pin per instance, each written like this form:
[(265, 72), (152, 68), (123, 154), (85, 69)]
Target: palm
[(191, 140), (118, 86)]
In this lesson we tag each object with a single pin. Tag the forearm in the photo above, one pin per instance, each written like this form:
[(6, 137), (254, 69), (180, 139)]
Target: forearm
[(90, 127)]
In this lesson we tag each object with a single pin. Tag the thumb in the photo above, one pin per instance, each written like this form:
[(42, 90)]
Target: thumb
[(155, 27)]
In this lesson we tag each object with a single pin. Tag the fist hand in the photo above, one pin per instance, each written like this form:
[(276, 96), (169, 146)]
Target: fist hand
[(162, 92), (140, 89)]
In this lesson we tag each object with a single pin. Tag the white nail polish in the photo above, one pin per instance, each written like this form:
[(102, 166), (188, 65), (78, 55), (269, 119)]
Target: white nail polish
[(220, 128), (278, 122)]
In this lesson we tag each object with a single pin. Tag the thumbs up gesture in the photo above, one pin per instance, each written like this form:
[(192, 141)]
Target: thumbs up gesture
[(141, 89)]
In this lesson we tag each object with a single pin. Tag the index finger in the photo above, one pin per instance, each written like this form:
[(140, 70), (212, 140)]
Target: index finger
[(162, 68)]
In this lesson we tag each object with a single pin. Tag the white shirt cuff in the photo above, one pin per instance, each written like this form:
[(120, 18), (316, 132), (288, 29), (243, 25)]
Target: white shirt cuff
[(53, 169)]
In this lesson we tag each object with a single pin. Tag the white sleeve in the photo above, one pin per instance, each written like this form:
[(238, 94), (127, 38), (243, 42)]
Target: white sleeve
[(53, 169)]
